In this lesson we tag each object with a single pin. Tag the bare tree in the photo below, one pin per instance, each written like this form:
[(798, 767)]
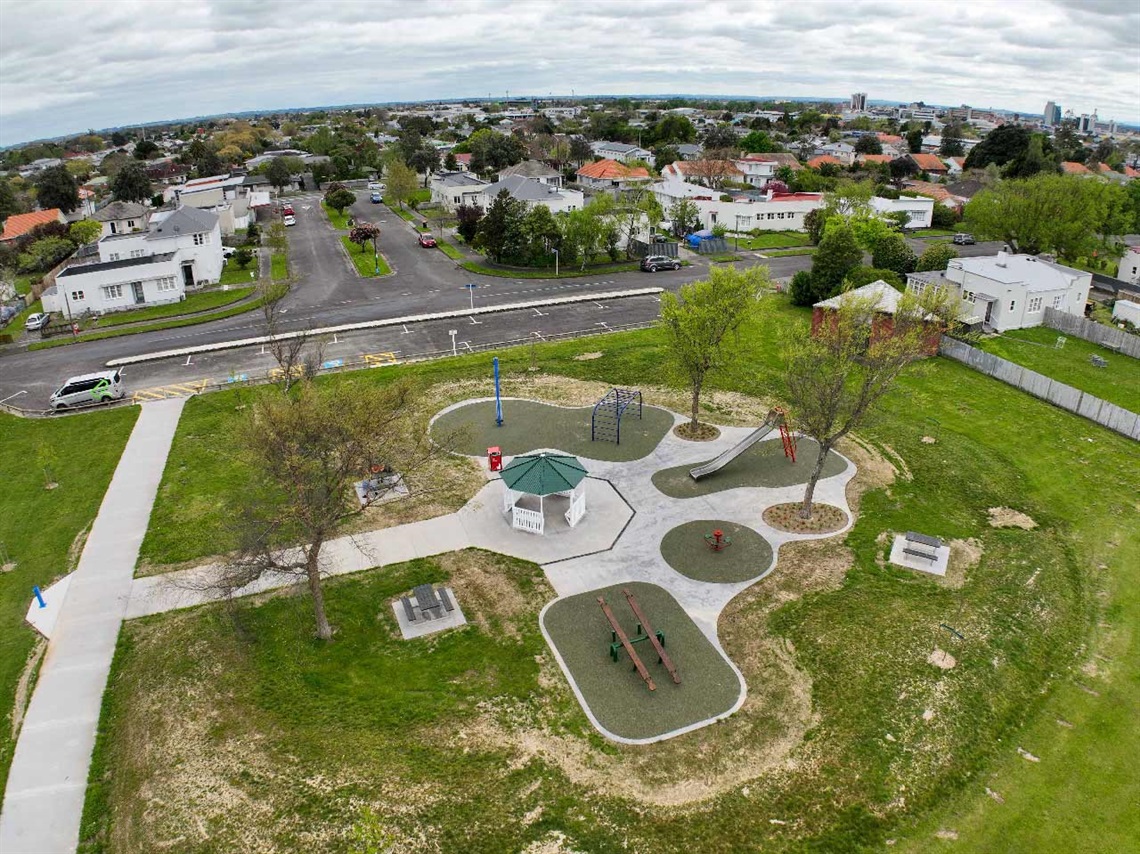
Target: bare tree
[(839, 370), (286, 348)]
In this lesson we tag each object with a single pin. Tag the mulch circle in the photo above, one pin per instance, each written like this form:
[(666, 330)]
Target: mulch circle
[(825, 518), (703, 433)]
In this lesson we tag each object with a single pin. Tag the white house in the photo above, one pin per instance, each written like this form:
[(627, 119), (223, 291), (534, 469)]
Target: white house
[(533, 192), (452, 189), (197, 233), (620, 151), (534, 169), (122, 217), (919, 209), (841, 151), (1129, 269), (747, 210), (1006, 291)]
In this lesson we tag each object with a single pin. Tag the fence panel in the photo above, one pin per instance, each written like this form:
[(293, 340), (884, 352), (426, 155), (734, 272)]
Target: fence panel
[(1106, 336)]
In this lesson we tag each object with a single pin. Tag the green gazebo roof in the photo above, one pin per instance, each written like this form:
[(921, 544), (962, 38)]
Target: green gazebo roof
[(543, 474)]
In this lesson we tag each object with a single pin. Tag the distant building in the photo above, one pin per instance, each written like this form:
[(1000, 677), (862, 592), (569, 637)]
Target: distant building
[(1052, 116), (858, 102)]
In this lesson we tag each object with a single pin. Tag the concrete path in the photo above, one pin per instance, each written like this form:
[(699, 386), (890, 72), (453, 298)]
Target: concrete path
[(43, 802)]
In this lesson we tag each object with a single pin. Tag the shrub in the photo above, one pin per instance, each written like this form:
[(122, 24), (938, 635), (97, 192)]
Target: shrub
[(802, 289)]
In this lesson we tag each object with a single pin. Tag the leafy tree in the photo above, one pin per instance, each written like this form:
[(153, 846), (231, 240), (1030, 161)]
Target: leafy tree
[(802, 289), (402, 182), (837, 373), (758, 142), (279, 173), (943, 217), (892, 253), (113, 162), (468, 217), (951, 142), (41, 255), (541, 234), (665, 155), (131, 184), (903, 167), (243, 257), (674, 128), (9, 201), (500, 234), (936, 256), (56, 188), (720, 137), (914, 141), (685, 216), (118, 139), (868, 145), (85, 231), (365, 232), (700, 322), (861, 275), (203, 157), (278, 237), (999, 146), (580, 151), (837, 254), (814, 222), (146, 149), (424, 160), (450, 163), (493, 152), (339, 198), (321, 172), (1031, 161)]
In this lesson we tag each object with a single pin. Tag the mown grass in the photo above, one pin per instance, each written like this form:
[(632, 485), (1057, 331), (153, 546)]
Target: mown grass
[(233, 274), (1035, 348), (450, 251), (769, 240), (400, 211), (1025, 612), (365, 261), (279, 266), (777, 253), (193, 303), (339, 219), (38, 526), (564, 272)]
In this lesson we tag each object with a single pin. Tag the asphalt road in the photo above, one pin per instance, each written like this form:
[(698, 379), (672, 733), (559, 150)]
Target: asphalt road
[(327, 292)]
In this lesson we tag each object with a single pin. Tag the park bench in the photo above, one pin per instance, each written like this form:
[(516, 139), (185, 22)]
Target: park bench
[(445, 599), (408, 611), (920, 545)]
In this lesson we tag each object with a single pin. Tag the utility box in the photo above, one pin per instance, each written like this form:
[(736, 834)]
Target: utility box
[(495, 458)]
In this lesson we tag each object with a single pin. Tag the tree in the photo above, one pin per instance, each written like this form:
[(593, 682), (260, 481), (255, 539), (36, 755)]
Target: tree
[(402, 182), (914, 141), (278, 173), (802, 289), (814, 222), (364, 232), (118, 139), (664, 155), (493, 152), (321, 172), (580, 151), (685, 217), (892, 253), (306, 450), (860, 276), (943, 217), (700, 321), (113, 162), (467, 224), (837, 372), (1031, 161), (43, 254), (424, 160), (56, 188), (340, 198), (935, 257), (243, 257), (838, 252), (999, 146), (146, 149), (131, 184), (673, 129), (278, 236), (720, 137), (450, 163), (85, 231), (758, 142), (500, 234), (951, 141), (9, 201), (902, 167), (868, 145)]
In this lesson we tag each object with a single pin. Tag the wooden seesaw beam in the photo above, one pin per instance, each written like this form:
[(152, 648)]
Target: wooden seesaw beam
[(621, 636), (648, 629)]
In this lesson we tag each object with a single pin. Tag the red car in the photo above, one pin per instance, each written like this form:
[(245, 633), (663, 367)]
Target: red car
[(427, 241)]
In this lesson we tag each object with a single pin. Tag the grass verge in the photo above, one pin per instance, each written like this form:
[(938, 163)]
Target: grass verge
[(769, 240), (366, 262), (546, 272), (235, 275), (194, 303), (339, 219), (279, 266), (450, 251), (779, 253)]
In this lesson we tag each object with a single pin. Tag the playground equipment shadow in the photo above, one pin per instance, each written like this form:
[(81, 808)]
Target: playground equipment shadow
[(686, 550), (529, 426), (614, 695), (764, 465)]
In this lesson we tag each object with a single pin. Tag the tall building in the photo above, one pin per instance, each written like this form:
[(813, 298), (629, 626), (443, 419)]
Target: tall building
[(1087, 123), (1052, 115), (859, 102)]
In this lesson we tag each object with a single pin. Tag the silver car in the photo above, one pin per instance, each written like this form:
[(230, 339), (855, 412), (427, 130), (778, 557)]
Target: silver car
[(38, 320), (89, 389)]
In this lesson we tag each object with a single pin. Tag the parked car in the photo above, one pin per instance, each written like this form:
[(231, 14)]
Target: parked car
[(964, 239), (289, 219), (37, 320), (227, 251), (375, 185), (427, 241), (653, 263), (88, 389), (375, 197)]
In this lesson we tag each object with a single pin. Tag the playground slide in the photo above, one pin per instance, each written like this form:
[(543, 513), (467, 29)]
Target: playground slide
[(773, 421)]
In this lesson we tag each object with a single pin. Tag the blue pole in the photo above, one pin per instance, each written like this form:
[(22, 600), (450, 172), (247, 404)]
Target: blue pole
[(39, 596), (498, 399)]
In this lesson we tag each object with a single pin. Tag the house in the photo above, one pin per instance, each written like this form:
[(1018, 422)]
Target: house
[(965, 189), (841, 151), (939, 192), (885, 300), (463, 161), (228, 196), (1129, 269), (193, 232), (1002, 292), (533, 192), (955, 165), (689, 150), (17, 225), (746, 210), (704, 171), (874, 158), (759, 169), (611, 175), (930, 163), (817, 162), (452, 189), (1071, 168), (122, 217), (534, 169), (919, 210), (620, 151)]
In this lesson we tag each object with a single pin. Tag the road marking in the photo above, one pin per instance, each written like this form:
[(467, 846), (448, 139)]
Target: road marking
[(184, 389), (465, 344), (375, 360), (187, 360), (539, 313), (406, 330), (602, 323), (333, 363), (598, 304), (476, 322), (538, 335), (276, 373), (237, 378)]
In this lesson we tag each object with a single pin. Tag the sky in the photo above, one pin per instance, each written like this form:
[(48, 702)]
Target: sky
[(70, 65)]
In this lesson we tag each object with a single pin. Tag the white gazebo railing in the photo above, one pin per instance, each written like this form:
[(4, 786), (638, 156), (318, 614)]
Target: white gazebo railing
[(577, 508), (532, 521)]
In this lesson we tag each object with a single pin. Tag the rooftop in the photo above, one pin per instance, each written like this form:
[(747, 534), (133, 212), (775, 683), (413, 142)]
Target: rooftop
[(84, 269), (530, 169), (185, 220), (458, 179), (886, 298), (19, 224), (929, 162), (612, 170), (523, 189), (1034, 274), (120, 210)]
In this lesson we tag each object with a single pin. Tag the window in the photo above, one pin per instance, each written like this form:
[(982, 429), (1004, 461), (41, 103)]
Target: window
[(130, 223), (78, 295), (1035, 304), (112, 292), (201, 239), (1058, 300), (114, 256), (968, 296), (137, 253), (1012, 303), (166, 283)]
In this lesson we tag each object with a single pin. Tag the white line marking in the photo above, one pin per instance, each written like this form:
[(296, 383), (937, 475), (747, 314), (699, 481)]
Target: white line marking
[(188, 358), (476, 322), (406, 330)]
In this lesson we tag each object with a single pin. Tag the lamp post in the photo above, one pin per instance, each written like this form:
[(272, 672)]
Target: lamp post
[(738, 232), (556, 263), (376, 255)]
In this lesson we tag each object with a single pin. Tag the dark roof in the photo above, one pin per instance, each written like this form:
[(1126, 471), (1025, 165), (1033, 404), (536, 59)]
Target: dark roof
[(114, 265), (120, 210), (530, 169), (185, 220), (523, 189), (543, 474), (967, 188)]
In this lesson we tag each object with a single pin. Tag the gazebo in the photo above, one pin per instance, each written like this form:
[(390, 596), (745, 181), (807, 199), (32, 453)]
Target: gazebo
[(542, 475)]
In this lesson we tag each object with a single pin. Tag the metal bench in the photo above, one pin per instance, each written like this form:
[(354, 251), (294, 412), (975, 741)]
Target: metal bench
[(408, 610), (445, 599), (916, 553), (933, 544)]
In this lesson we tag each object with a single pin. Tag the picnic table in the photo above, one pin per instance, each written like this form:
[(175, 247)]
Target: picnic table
[(929, 546), (426, 600)]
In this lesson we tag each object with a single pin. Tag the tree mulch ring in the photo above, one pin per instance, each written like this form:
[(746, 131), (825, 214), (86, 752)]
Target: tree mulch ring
[(702, 433), (825, 519)]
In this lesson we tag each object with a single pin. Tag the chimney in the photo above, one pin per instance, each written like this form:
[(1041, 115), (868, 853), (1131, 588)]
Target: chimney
[(1001, 258)]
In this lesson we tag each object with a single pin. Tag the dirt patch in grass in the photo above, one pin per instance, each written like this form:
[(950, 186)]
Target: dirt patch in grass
[(872, 469), (1005, 517), (825, 519), (702, 432), (587, 357), (942, 659), (964, 556)]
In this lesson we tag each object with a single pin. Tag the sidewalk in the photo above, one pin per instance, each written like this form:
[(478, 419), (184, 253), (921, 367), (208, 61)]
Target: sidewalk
[(43, 802)]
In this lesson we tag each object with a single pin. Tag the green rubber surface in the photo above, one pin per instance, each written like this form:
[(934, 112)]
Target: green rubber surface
[(685, 549), (764, 464), (617, 696), (529, 426)]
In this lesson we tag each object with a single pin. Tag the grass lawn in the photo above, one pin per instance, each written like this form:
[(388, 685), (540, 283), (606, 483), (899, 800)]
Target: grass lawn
[(724, 258), (195, 302), (364, 259), (338, 220), (934, 232), (548, 272), (615, 693), (232, 274), (400, 211), (1034, 348), (40, 528), (850, 736), (764, 464), (687, 551), (769, 240), (450, 251), (777, 253), (23, 282), (279, 266)]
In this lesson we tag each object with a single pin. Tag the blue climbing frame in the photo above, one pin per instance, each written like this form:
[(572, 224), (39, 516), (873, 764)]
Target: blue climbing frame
[(605, 423)]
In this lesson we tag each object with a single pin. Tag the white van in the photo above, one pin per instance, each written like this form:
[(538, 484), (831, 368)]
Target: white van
[(89, 389)]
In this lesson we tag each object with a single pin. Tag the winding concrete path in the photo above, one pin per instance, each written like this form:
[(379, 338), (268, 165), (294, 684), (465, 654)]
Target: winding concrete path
[(43, 801)]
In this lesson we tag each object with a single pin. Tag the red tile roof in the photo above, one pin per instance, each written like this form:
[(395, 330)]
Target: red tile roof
[(960, 162), (611, 170), (924, 188), (1130, 172), (18, 224), (781, 157), (1104, 167), (874, 158), (929, 162), (816, 162), (463, 158), (890, 138), (700, 168), (1071, 168)]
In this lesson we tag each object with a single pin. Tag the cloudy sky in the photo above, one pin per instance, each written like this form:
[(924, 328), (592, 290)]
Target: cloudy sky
[(70, 65)]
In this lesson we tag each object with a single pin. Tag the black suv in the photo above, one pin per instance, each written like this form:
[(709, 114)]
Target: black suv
[(653, 263)]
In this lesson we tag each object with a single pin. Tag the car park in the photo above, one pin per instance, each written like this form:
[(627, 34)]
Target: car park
[(426, 241), (289, 219), (88, 389), (37, 320), (653, 263), (964, 239)]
